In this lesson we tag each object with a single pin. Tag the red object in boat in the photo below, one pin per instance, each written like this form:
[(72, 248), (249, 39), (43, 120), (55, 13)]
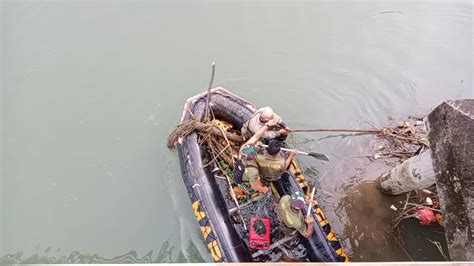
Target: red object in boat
[(260, 230), (425, 215)]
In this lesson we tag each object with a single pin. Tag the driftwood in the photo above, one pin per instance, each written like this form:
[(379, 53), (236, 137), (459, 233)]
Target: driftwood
[(219, 143), (218, 132), (402, 141), (188, 126), (375, 131), (206, 129), (213, 72), (411, 205)]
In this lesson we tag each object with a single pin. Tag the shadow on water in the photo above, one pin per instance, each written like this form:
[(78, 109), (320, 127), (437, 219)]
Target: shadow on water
[(166, 254), (367, 229)]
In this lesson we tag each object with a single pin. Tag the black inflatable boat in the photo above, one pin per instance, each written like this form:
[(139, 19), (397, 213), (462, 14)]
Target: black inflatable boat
[(226, 236)]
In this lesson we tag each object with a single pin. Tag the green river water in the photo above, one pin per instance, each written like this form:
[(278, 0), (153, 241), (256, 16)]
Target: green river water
[(91, 89)]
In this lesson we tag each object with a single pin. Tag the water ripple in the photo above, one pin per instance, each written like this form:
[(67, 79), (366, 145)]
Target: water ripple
[(166, 254)]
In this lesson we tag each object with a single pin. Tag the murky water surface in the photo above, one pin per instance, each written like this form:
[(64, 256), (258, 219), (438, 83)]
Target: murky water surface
[(91, 89)]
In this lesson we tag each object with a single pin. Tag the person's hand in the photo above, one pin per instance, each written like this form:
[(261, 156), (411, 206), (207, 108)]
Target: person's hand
[(309, 220), (265, 189), (294, 153), (283, 131), (272, 122), (288, 129)]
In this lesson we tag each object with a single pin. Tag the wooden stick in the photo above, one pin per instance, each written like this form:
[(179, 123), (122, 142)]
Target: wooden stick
[(217, 156), (222, 150), (206, 113), (440, 248), (410, 139), (402, 245), (338, 130), (426, 207), (215, 131), (233, 196)]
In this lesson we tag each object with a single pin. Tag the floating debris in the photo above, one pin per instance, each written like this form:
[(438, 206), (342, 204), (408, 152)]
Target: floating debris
[(402, 141), (418, 206)]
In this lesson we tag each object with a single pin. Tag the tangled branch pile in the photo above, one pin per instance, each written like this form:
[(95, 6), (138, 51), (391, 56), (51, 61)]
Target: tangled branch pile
[(203, 128), (403, 141), (220, 140), (424, 206), (214, 134)]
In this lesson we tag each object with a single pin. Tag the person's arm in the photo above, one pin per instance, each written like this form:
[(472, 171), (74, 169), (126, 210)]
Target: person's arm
[(271, 134), (273, 131), (306, 229), (290, 158), (284, 130), (260, 132), (310, 224)]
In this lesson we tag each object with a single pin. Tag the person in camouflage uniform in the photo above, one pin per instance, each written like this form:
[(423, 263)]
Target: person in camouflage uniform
[(248, 152), (248, 155), (292, 218), (272, 162)]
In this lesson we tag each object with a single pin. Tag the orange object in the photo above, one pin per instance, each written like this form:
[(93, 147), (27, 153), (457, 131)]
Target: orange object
[(439, 219)]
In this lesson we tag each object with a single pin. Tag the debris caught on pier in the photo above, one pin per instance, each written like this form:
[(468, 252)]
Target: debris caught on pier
[(402, 141), (422, 205), (417, 205)]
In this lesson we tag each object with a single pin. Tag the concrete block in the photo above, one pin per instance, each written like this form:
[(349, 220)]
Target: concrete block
[(414, 173), (451, 137)]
